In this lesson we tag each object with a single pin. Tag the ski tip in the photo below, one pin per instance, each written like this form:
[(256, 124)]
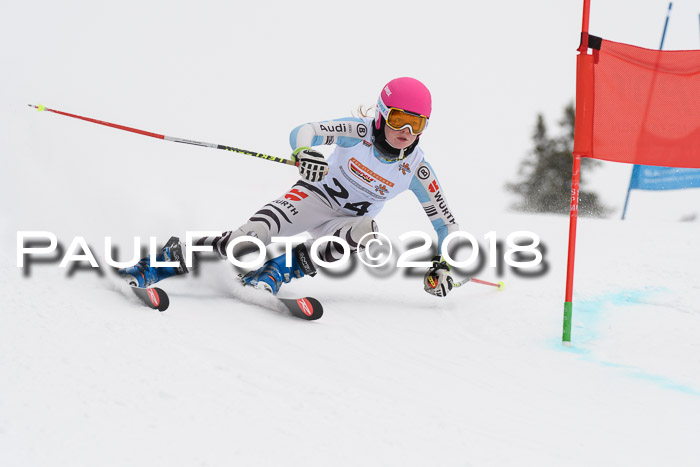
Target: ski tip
[(306, 308), (39, 108), (152, 297), (163, 299), (316, 309)]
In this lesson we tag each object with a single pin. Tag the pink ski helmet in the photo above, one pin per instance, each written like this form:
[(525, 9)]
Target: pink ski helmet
[(407, 94)]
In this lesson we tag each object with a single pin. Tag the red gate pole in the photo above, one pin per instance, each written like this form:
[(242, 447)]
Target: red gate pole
[(583, 142)]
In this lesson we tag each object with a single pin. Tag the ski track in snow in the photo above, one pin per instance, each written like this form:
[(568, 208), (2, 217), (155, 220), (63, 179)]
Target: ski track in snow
[(589, 313)]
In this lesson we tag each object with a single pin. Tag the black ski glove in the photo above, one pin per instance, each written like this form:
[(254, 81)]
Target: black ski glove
[(437, 280), (312, 166)]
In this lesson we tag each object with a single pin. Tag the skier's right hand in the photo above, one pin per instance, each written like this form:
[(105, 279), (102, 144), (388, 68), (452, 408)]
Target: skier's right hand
[(312, 166)]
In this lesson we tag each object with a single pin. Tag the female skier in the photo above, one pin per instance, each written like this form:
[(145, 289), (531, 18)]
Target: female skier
[(374, 160)]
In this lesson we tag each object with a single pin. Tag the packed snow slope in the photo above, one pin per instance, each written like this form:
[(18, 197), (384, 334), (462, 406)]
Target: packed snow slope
[(388, 376)]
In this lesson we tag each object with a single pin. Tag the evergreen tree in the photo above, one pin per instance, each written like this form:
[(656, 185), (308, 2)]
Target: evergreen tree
[(545, 174)]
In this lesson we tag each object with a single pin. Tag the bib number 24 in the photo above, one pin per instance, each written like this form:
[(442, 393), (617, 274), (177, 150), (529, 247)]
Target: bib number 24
[(340, 194)]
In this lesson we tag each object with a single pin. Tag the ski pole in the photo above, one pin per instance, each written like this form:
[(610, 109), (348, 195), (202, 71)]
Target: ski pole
[(498, 285), (41, 108)]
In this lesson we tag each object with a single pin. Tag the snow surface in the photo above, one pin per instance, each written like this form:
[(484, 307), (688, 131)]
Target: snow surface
[(389, 375)]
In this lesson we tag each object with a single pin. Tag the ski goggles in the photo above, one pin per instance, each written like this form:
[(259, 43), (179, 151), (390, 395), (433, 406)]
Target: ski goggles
[(398, 119)]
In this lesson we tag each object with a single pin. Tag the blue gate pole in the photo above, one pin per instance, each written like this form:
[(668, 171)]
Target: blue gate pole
[(634, 168)]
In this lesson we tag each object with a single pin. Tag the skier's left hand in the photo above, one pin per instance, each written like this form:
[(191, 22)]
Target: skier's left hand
[(312, 166), (437, 280)]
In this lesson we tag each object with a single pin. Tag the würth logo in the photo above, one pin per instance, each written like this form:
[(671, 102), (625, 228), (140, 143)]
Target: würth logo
[(433, 187), (295, 195)]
